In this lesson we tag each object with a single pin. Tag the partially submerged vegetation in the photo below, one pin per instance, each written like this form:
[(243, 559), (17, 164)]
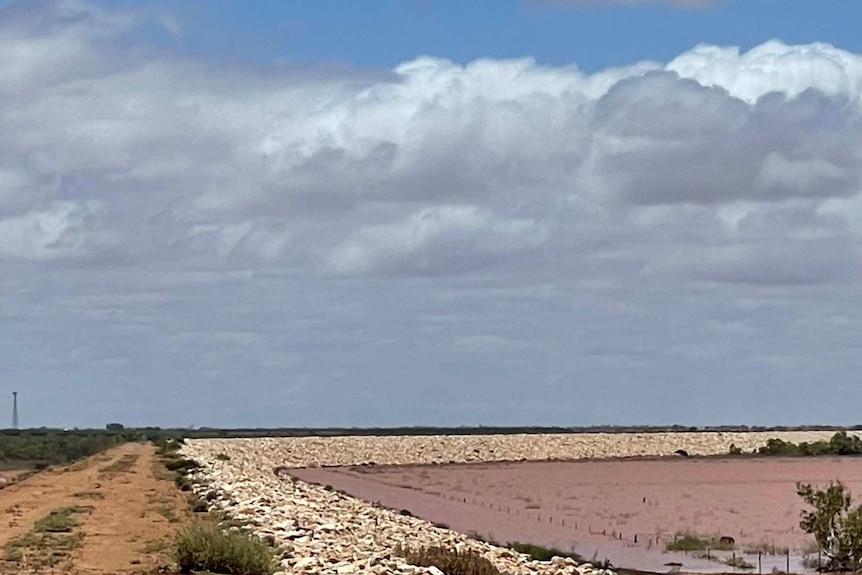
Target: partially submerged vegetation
[(692, 542), (737, 562)]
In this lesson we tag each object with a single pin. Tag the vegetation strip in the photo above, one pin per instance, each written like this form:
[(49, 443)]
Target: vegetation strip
[(50, 541), (838, 444)]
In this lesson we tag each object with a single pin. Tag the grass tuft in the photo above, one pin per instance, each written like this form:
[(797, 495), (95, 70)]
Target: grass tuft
[(539, 553), (690, 542), (60, 520), (181, 465), (450, 561)]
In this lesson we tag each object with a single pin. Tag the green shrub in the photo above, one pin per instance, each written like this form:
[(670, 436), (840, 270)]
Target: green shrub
[(539, 553), (204, 546), (198, 505), (53, 448), (183, 482), (835, 524), (839, 444), (182, 465), (450, 561), (690, 542), (59, 520), (843, 444), (779, 447), (165, 445)]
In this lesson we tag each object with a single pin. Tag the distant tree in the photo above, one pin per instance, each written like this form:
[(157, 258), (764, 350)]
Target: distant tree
[(843, 444), (837, 528), (115, 427)]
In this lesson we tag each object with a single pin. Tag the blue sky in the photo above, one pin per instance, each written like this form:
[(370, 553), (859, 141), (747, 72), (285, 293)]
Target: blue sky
[(368, 213), (382, 33)]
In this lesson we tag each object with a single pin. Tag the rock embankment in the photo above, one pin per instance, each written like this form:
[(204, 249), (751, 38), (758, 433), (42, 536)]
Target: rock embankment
[(327, 532), (431, 449), (323, 531)]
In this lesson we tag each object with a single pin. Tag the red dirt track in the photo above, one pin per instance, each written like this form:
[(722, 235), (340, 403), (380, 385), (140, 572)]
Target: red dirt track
[(570, 504)]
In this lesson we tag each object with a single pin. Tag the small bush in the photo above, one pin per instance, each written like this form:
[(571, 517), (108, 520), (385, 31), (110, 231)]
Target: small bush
[(198, 505), (690, 542), (183, 482), (737, 562), (779, 447), (835, 524), (165, 446), (450, 561), (181, 465), (223, 457), (206, 547), (59, 520), (539, 553), (843, 444)]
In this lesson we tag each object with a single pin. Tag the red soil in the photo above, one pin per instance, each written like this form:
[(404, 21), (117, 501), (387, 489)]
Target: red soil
[(600, 506)]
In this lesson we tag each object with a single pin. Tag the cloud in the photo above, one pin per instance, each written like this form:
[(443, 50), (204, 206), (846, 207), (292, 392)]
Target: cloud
[(60, 231), (336, 214), (431, 168), (445, 239)]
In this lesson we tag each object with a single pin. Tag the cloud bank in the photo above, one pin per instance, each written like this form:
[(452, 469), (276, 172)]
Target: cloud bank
[(719, 170)]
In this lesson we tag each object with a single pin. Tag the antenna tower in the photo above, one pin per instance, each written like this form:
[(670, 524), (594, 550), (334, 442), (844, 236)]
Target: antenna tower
[(14, 410)]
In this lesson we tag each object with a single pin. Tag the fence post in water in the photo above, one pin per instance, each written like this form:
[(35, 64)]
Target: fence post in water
[(759, 566), (787, 552), (734, 561), (707, 554), (636, 537)]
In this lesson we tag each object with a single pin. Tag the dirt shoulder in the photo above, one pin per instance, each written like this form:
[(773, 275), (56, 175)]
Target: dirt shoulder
[(111, 513)]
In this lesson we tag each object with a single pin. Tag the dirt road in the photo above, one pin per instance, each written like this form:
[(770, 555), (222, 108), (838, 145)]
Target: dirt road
[(120, 511)]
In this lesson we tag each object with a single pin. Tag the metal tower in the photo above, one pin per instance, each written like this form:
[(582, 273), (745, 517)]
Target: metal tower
[(14, 410)]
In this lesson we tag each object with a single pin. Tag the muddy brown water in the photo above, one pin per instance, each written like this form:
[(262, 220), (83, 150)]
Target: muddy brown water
[(622, 510)]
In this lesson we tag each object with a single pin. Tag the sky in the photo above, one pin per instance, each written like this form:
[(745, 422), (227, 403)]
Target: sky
[(379, 213)]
